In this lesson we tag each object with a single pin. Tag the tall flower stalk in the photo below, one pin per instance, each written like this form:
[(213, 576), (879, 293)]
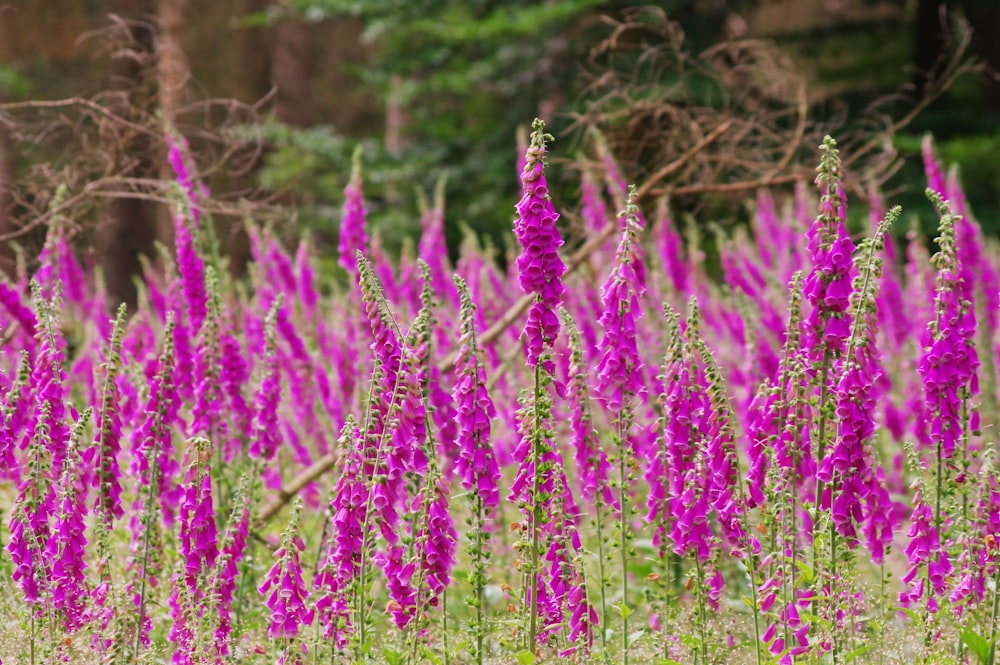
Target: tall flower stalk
[(591, 460), (540, 272), (286, 593), (620, 375), (476, 465)]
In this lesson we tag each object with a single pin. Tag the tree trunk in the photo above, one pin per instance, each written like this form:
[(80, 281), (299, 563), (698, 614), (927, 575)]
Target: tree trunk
[(7, 257), (171, 65), (131, 227), (291, 72), (929, 42), (984, 16)]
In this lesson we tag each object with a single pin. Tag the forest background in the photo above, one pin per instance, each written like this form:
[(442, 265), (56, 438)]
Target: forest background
[(274, 98)]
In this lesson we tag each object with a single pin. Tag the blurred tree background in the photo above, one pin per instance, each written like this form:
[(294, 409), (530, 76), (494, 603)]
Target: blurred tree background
[(273, 96)]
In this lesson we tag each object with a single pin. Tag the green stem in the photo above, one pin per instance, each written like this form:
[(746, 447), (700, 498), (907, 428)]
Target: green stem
[(821, 447), (993, 613), (598, 502), (153, 483), (479, 580), (937, 499), (833, 575), (536, 511), (702, 611), (623, 528), (444, 622)]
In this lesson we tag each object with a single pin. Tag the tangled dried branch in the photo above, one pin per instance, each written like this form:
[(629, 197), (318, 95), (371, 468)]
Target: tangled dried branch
[(650, 99), (110, 145)]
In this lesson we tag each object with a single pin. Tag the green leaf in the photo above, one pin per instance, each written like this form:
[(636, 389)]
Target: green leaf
[(429, 656), (807, 575), (979, 645), (860, 651), (624, 611), (690, 641), (392, 655), (525, 657)]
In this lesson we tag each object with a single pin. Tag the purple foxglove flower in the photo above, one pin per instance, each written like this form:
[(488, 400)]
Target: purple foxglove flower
[(199, 539), (398, 410), (266, 435), (828, 286), (620, 368), (476, 463), (592, 462), (108, 505), (433, 250), (234, 374), (30, 520), (11, 301), (949, 362), (151, 441), (342, 565), (398, 581), (67, 545), (287, 600), (438, 557), (540, 270), (305, 280), (353, 237)]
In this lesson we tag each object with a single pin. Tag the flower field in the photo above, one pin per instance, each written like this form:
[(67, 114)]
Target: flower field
[(586, 453)]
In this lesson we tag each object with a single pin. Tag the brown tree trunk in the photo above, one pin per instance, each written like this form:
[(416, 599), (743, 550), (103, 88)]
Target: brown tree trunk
[(291, 72), (984, 16), (7, 258), (131, 226), (171, 65), (929, 42)]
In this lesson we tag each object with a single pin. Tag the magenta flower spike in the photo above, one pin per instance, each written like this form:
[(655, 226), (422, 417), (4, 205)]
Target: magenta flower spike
[(828, 286), (13, 419), (198, 535), (591, 462), (285, 591), (108, 505), (438, 557), (434, 250), (266, 435), (67, 543), (234, 375), (151, 441), (31, 517), (353, 236), (594, 211), (49, 381), (540, 270), (231, 552), (349, 516), (932, 169), (948, 366), (476, 464), (11, 301), (190, 269), (860, 498), (620, 368), (194, 190), (670, 249), (305, 280)]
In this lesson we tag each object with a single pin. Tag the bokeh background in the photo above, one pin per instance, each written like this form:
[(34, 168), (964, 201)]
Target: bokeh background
[(273, 98)]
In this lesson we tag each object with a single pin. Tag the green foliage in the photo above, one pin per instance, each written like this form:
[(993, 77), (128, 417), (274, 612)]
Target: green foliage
[(12, 83), (466, 74)]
